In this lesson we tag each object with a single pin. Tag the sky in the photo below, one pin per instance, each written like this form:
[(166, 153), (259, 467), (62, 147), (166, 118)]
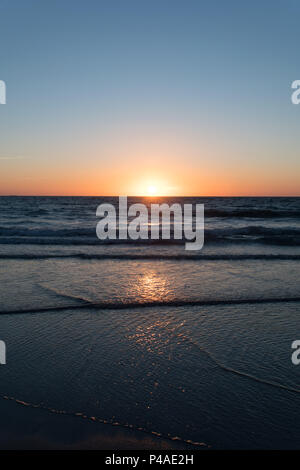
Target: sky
[(126, 97)]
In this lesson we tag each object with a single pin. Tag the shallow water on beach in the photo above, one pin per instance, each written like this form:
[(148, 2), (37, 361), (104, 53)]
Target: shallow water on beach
[(216, 375), (190, 347)]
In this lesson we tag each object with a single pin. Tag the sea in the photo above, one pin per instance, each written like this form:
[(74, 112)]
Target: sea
[(141, 343)]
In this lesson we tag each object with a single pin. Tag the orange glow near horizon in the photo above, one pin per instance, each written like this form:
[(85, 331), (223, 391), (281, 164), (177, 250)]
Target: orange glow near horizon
[(145, 170), (124, 182)]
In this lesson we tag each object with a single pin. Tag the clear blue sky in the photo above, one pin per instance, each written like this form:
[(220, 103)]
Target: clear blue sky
[(200, 87)]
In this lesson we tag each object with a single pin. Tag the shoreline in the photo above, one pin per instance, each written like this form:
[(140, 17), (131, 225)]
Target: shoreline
[(25, 427)]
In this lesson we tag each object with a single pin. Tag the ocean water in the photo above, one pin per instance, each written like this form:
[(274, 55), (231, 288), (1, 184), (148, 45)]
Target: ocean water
[(190, 347)]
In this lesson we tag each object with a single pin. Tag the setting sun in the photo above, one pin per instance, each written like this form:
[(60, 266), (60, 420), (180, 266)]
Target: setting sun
[(152, 190)]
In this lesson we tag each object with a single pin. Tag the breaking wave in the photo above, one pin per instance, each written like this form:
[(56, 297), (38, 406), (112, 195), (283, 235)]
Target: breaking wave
[(87, 236), (151, 256), (112, 305)]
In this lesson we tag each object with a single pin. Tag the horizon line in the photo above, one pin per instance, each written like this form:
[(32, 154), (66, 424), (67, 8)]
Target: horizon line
[(145, 196)]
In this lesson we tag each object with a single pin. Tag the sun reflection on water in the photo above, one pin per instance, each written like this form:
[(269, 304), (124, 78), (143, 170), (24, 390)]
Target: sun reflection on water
[(154, 335), (152, 287)]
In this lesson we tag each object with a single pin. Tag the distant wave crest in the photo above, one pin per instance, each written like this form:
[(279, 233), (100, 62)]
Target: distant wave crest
[(114, 305), (151, 256), (87, 236)]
